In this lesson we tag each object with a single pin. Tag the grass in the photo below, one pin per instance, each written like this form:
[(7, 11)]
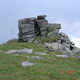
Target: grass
[(20, 45), (46, 39), (48, 68)]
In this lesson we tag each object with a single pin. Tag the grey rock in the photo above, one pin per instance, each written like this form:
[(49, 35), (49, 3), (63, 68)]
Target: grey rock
[(65, 48), (26, 20), (64, 38), (76, 50), (37, 41), (28, 40), (53, 30), (11, 52), (26, 64), (37, 27), (28, 36), (63, 56), (41, 17), (59, 47), (68, 52), (27, 28), (21, 51), (55, 25), (25, 50), (54, 46), (35, 57), (40, 53), (52, 34)]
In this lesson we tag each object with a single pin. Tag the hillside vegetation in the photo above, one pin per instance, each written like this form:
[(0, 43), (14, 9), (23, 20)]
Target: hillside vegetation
[(48, 68)]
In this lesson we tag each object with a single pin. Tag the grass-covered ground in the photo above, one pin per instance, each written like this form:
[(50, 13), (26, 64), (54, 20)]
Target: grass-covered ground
[(48, 68)]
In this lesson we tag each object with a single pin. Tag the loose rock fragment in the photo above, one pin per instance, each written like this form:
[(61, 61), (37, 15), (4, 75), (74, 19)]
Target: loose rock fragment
[(26, 63), (20, 51)]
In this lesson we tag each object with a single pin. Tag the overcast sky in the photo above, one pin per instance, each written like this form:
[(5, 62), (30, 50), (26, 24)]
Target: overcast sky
[(66, 12)]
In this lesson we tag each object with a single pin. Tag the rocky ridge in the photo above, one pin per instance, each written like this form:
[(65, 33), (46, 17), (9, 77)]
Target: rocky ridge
[(38, 29)]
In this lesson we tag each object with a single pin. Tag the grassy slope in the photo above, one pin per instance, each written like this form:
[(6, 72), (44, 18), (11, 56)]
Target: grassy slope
[(49, 68)]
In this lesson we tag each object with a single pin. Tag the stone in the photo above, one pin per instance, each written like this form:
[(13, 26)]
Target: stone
[(41, 17), (54, 46), (39, 27), (37, 41), (63, 56), (26, 20), (40, 53), (25, 50), (51, 34), (11, 52), (27, 28), (32, 28), (27, 64), (68, 52), (64, 38), (53, 29), (35, 57), (59, 47), (20, 51), (54, 25)]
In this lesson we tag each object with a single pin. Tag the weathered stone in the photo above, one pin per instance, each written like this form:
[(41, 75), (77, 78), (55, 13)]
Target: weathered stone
[(57, 26), (26, 20), (54, 46), (36, 27), (76, 52), (21, 51), (31, 28), (40, 53), (27, 28), (51, 34), (41, 17), (53, 29), (35, 57), (64, 38), (26, 64), (63, 56)]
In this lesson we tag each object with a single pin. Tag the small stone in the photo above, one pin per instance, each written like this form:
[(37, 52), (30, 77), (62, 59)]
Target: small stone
[(21, 51), (40, 53), (11, 52), (41, 17), (63, 56), (26, 64), (36, 57)]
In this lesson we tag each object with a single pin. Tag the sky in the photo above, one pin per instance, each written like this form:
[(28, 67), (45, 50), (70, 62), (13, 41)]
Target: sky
[(65, 12)]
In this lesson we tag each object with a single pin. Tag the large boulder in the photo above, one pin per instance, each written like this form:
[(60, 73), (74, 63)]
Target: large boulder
[(26, 29), (29, 28)]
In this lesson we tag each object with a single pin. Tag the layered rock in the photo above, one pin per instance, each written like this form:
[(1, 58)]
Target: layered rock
[(26, 29), (29, 28), (53, 29)]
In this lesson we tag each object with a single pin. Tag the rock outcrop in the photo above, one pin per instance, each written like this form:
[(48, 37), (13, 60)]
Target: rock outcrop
[(31, 28)]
